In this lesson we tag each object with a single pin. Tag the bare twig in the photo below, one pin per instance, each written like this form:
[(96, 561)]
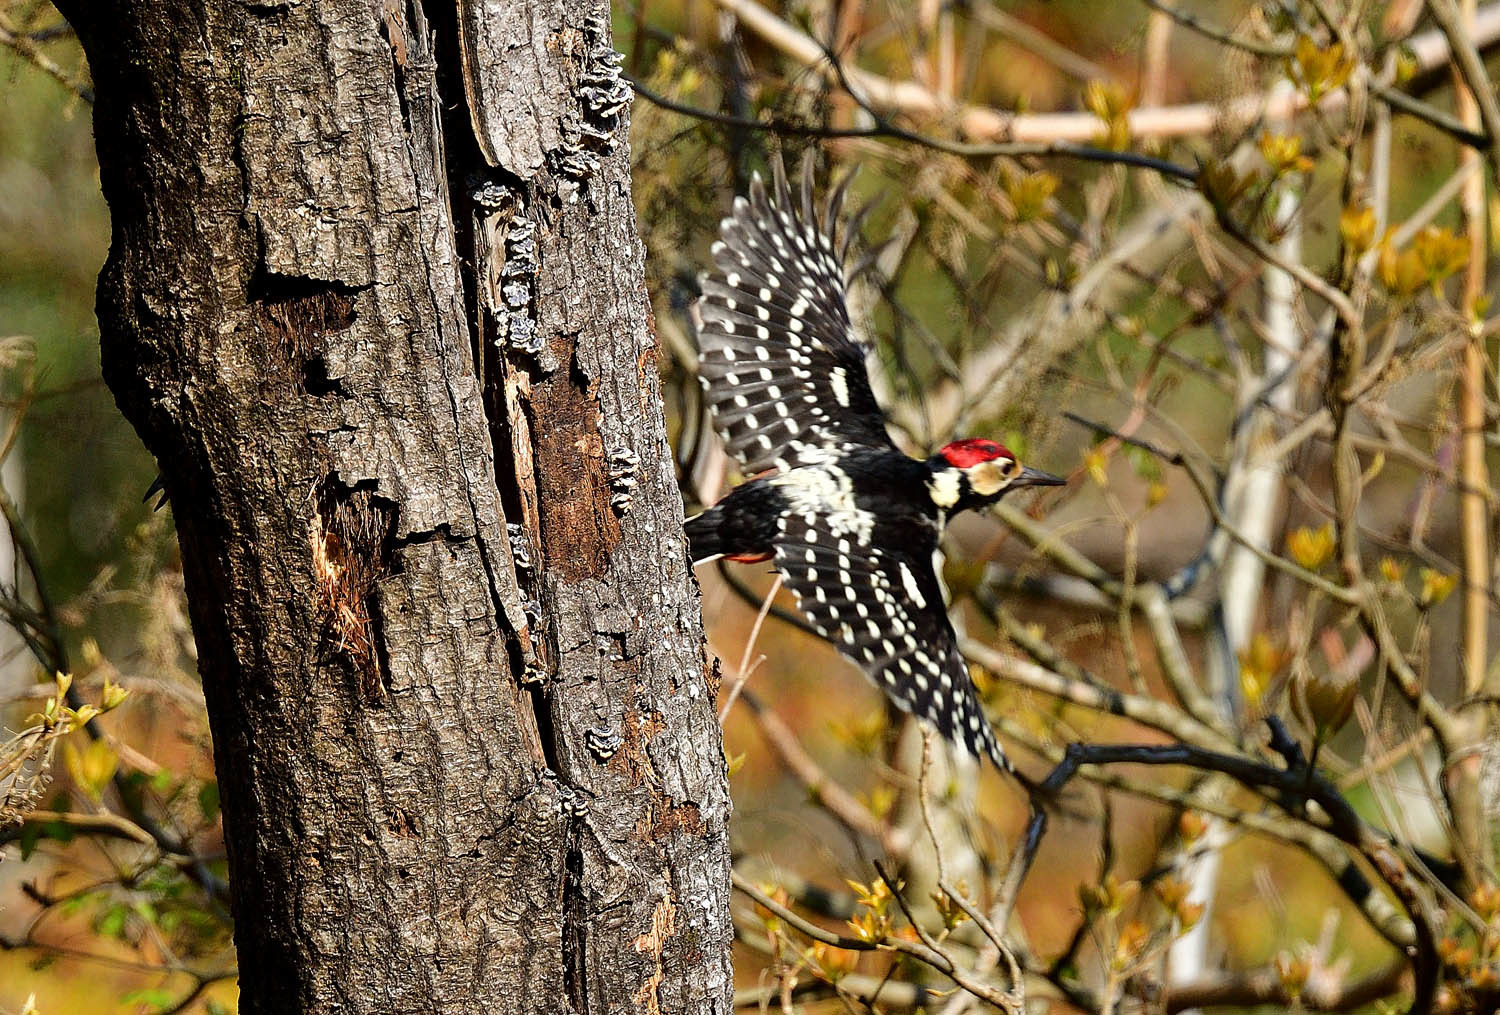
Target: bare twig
[(1267, 986), (1462, 40), (742, 675), (105, 824), (920, 951), (829, 794), (987, 124), (27, 48), (1342, 821), (1476, 516), (1028, 38)]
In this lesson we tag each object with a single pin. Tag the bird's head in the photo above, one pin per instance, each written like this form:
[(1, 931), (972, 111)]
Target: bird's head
[(973, 472)]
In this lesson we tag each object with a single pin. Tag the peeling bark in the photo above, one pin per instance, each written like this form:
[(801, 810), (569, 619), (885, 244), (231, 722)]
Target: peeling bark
[(375, 301)]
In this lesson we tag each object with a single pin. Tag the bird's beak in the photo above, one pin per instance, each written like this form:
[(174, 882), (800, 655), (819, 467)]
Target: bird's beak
[(1036, 477)]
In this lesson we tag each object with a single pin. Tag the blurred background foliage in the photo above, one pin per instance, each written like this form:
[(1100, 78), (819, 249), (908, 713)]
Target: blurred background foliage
[(95, 921)]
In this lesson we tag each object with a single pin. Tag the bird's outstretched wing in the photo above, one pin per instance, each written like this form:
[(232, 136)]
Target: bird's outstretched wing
[(882, 607), (784, 371)]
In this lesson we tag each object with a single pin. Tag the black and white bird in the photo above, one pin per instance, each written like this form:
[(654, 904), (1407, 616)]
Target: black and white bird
[(849, 521)]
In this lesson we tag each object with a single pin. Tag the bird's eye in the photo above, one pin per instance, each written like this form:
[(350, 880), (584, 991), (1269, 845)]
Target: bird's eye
[(1007, 466)]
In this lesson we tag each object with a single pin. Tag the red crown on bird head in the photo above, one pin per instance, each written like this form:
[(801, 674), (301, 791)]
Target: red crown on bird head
[(973, 450)]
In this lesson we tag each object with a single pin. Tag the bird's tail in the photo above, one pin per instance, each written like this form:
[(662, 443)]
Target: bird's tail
[(703, 536)]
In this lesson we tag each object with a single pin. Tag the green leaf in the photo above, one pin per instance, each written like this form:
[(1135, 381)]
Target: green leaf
[(153, 997), (31, 834), (70, 907), (1144, 463), (208, 800), (112, 923), (60, 831)]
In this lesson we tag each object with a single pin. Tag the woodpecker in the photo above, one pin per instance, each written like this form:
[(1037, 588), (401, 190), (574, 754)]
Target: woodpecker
[(850, 521)]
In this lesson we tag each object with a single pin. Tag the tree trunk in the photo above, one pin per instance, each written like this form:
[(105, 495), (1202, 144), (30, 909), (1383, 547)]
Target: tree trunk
[(375, 302)]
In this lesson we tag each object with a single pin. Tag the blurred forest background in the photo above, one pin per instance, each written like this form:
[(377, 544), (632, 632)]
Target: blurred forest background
[(1223, 264)]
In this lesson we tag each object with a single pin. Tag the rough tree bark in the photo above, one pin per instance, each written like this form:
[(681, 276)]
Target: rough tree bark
[(461, 711)]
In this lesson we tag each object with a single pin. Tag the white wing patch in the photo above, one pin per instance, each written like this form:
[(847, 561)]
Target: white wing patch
[(780, 361), (910, 581), (824, 493), (839, 381), (885, 616)]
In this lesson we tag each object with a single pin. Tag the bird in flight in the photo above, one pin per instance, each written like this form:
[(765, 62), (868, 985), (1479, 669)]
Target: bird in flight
[(849, 520)]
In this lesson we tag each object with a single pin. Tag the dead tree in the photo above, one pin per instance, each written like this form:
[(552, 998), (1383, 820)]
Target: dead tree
[(375, 302)]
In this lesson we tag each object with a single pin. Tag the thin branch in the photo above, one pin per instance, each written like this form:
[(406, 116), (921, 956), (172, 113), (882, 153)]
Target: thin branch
[(1223, 36), (985, 123), (1210, 500), (746, 667), (1435, 117), (921, 952), (829, 794), (104, 824), (1461, 42), (1019, 32), (885, 129), (890, 993), (1474, 507), (53, 655), (1326, 850), (1309, 280), (1292, 782), (1149, 712), (776, 126), (1266, 986), (25, 46), (1392, 96)]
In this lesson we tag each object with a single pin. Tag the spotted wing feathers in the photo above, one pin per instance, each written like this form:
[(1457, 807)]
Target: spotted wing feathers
[(883, 609), (783, 369)]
